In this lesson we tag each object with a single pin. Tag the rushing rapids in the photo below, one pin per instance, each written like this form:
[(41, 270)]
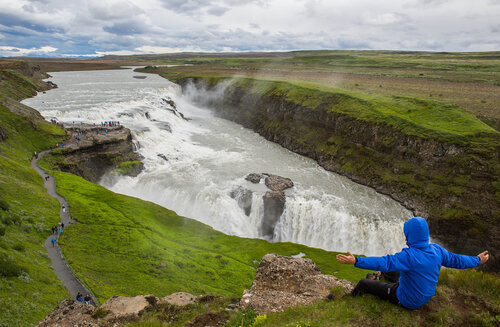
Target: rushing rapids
[(196, 164)]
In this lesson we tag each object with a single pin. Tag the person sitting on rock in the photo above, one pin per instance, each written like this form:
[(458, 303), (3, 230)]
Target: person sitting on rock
[(79, 297), (419, 266), (87, 299)]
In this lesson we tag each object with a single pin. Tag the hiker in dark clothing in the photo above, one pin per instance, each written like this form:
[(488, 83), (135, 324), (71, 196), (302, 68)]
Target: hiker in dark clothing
[(419, 266), (79, 297), (62, 225), (87, 299)]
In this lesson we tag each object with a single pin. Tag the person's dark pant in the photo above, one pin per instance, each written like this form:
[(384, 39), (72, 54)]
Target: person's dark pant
[(383, 290)]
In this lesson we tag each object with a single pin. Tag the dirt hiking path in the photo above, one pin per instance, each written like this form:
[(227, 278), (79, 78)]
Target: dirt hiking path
[(58, 263)]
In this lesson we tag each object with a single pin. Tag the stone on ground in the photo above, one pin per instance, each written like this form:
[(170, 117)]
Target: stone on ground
[(282, 282)]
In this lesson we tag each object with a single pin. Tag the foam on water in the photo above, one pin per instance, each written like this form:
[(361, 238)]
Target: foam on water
[(208, 158)]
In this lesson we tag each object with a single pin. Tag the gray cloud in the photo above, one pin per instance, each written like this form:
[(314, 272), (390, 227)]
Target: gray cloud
[(236, 25)]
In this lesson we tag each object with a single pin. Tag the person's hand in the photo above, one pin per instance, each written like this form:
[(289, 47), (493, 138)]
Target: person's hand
[(484, 256), (348, 259)]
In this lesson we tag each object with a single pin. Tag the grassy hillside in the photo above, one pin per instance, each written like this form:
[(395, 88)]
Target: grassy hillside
[(29, 287), (463, 298), (126, 246)]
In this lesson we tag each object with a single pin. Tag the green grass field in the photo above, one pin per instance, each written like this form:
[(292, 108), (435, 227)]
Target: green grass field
[(126, 246)]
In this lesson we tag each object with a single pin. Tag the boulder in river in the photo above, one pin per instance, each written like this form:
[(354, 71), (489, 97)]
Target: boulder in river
[(281, 282), (274, 200), (278, 183), (254, 178)]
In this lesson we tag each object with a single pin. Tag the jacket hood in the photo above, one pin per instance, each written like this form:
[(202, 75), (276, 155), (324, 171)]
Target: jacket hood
[(417, 232)]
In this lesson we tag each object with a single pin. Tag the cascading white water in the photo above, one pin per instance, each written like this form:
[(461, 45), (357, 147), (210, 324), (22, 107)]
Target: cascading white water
[(197, 167)]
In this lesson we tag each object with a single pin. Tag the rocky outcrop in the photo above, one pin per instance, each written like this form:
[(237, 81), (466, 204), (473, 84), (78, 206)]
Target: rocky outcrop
[(453, 185), (93, 151), (70, 313), (274, 200), (282, 282), (116, 311), (125, 309)]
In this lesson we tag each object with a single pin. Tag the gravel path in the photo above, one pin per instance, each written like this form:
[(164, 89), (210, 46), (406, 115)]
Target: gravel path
[(58, 263)]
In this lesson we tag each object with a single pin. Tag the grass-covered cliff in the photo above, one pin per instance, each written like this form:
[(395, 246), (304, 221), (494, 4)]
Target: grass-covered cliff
[(29, 288), (434, 157)]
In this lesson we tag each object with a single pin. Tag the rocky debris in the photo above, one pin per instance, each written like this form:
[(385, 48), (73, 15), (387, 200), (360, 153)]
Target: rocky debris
[(254, 178), (120, 308), (161, 155), (70, 313), (3, 134), (282, 282), (244, 199), (179, 299), (174, 110), (210, 319), (170, 102)]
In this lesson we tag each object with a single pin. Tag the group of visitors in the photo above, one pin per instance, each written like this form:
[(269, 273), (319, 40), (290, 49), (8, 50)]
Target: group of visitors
[(81, 298), (110, 123), (57, 230)]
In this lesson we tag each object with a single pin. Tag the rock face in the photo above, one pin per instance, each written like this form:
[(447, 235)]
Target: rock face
[(274, 199), (120, 308), (282, 282), (274, 202), (98, 151), (179, 299), (70, 313)]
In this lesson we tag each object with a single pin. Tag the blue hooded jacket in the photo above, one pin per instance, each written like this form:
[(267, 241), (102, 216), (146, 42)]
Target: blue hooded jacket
[(419, 264)]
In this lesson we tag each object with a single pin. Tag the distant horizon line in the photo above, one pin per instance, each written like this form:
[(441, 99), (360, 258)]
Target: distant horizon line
[(92, 56)]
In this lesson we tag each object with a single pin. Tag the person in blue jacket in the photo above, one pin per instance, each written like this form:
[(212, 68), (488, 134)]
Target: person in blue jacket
[(419, 266)]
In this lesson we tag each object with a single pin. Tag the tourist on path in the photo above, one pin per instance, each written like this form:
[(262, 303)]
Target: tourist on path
[(79, 297), (419, 266), (53, 241), (87, 299)]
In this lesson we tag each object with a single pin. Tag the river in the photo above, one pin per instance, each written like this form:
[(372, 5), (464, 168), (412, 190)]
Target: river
[(195, 167)]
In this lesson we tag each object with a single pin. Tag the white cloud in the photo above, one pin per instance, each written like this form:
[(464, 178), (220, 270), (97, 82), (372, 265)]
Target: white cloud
[(14, 51)]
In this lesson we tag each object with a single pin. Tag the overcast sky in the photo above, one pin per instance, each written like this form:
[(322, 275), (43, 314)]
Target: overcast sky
[(99, 27)]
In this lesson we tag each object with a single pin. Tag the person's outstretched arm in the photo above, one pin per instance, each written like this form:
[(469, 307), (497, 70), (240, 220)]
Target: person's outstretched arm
[(396, 262), (453, 260)]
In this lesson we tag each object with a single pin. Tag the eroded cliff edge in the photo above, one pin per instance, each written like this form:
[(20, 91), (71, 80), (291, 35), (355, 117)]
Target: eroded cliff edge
[(451, 181), (94, 150)]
